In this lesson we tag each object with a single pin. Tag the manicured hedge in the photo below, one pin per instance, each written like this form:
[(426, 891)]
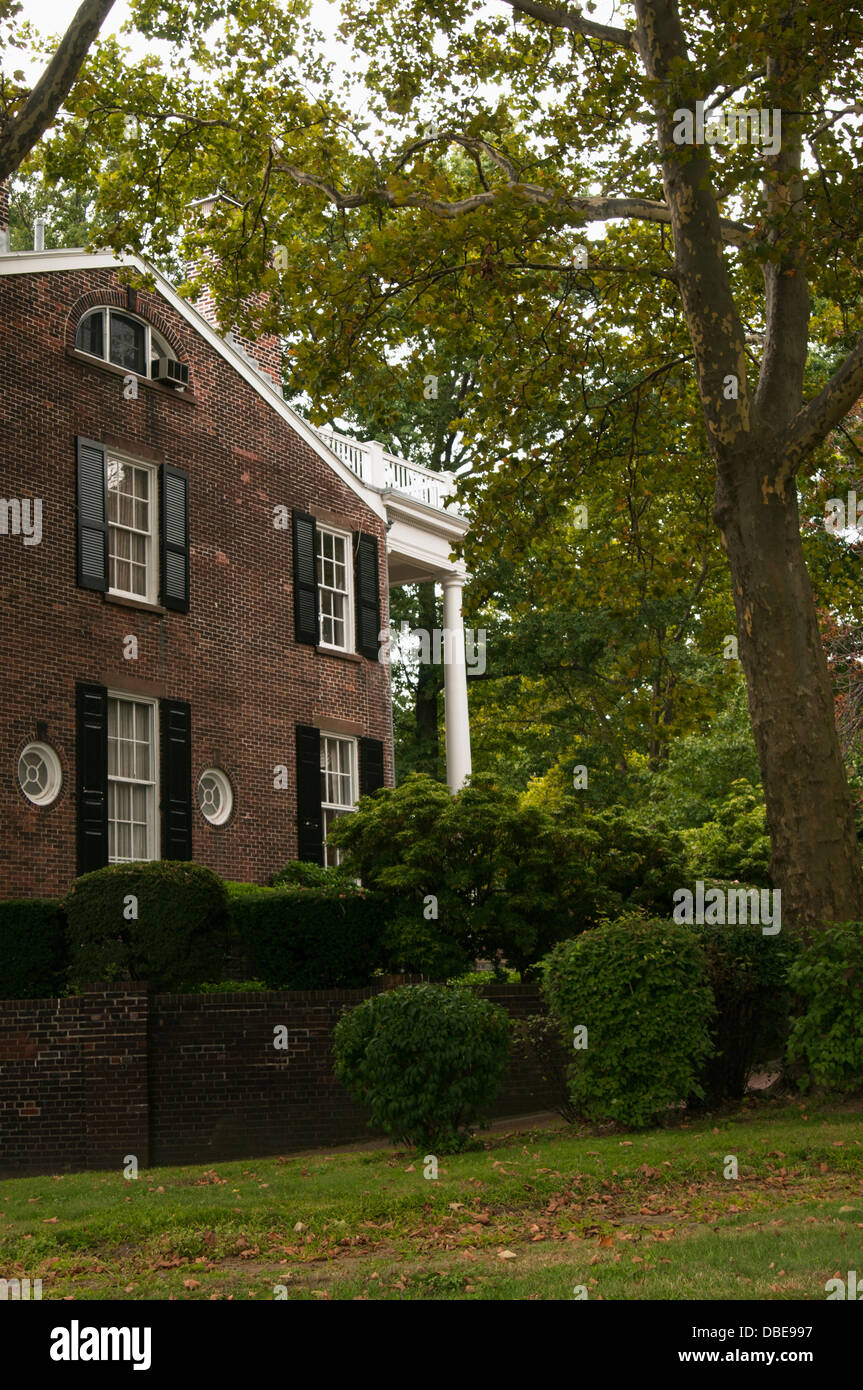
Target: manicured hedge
[(640, 989), (164, 922), (749, 976), (827, 1037), (309, 938), (33, 951)]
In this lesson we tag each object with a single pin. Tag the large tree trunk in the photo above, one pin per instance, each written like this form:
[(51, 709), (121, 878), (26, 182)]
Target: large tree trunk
[(815, 855)]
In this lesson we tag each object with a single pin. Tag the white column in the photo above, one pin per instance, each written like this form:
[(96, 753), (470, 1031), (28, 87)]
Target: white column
[(458, 764)]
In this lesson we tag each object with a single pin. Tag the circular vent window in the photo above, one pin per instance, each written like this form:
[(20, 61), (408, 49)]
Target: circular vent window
[(215, 798), (40, 776)]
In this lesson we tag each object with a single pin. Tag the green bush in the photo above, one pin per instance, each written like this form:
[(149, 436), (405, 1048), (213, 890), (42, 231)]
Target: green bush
[(640, 988), (637, 864), (300, 873), (426, 1060), (177, 938), (33, 953), (827, 1037), (310, 938), (471, 876), (735, 844), (749, 976)]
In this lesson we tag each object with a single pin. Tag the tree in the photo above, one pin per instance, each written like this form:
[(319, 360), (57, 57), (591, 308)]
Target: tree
[(560, 122), (26, 114)]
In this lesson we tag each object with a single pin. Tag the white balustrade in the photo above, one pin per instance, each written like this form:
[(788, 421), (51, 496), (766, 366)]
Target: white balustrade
[(380, 469)]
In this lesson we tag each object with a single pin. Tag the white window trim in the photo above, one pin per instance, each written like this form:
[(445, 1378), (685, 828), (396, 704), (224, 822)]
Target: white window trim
[(350, 639), (355, 794), (152, 594), (153, 825), (154, 343)]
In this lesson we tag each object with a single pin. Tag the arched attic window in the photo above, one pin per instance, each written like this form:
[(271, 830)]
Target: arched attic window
[(122, 339)]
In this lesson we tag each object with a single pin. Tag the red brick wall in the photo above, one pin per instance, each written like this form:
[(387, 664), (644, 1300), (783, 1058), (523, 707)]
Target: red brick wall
[(73, 1081), (233, 656), (189, 1078)]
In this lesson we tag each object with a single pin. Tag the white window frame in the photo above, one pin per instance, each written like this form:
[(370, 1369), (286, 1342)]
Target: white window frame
[(153, 844), (154, 343), (226, 791), (152, 560), (331, 810), (345, 536)]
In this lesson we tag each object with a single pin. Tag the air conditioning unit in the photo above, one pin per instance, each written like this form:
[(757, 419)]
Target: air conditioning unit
[(170, 370)]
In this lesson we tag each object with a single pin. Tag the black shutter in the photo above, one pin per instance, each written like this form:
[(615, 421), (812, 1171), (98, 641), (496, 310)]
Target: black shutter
[(176, 719), (92, 515), (175, 539), (305, 579), (371, 765), (368, 596), (310, 834), (92, 777)]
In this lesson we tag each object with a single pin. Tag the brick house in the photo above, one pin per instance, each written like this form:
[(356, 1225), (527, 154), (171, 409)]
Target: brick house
[(194, 585)]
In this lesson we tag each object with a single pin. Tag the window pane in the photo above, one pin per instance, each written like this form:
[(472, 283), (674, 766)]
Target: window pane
[(127, 343), (90, 336), (333, 588), (129, 517), (131, 802)]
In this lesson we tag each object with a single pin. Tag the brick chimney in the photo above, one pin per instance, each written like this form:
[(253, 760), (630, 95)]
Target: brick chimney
[(263, 353)]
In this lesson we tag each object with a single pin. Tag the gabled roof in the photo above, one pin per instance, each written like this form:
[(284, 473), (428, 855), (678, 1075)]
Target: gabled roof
[(40, 262)]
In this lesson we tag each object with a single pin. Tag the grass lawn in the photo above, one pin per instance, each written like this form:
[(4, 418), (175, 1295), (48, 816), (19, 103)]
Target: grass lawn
[(530, 1216)]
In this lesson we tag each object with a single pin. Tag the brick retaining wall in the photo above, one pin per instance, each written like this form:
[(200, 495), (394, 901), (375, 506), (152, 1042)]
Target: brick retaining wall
[(190, 1078)]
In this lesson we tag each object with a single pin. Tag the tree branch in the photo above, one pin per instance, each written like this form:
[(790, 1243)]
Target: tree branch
[(824, 412), (585, 209), (46, 98), (572, 20)]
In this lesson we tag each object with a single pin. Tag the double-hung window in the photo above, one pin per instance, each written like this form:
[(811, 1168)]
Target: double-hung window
[(132, 530), (335, 613), (338, 786), (132, 779)]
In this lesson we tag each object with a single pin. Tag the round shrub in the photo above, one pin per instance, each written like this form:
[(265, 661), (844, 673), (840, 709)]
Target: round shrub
[(749, 977), (828, 1035), (426, 1060), (640, 988), (163, 921), (33, 951)]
